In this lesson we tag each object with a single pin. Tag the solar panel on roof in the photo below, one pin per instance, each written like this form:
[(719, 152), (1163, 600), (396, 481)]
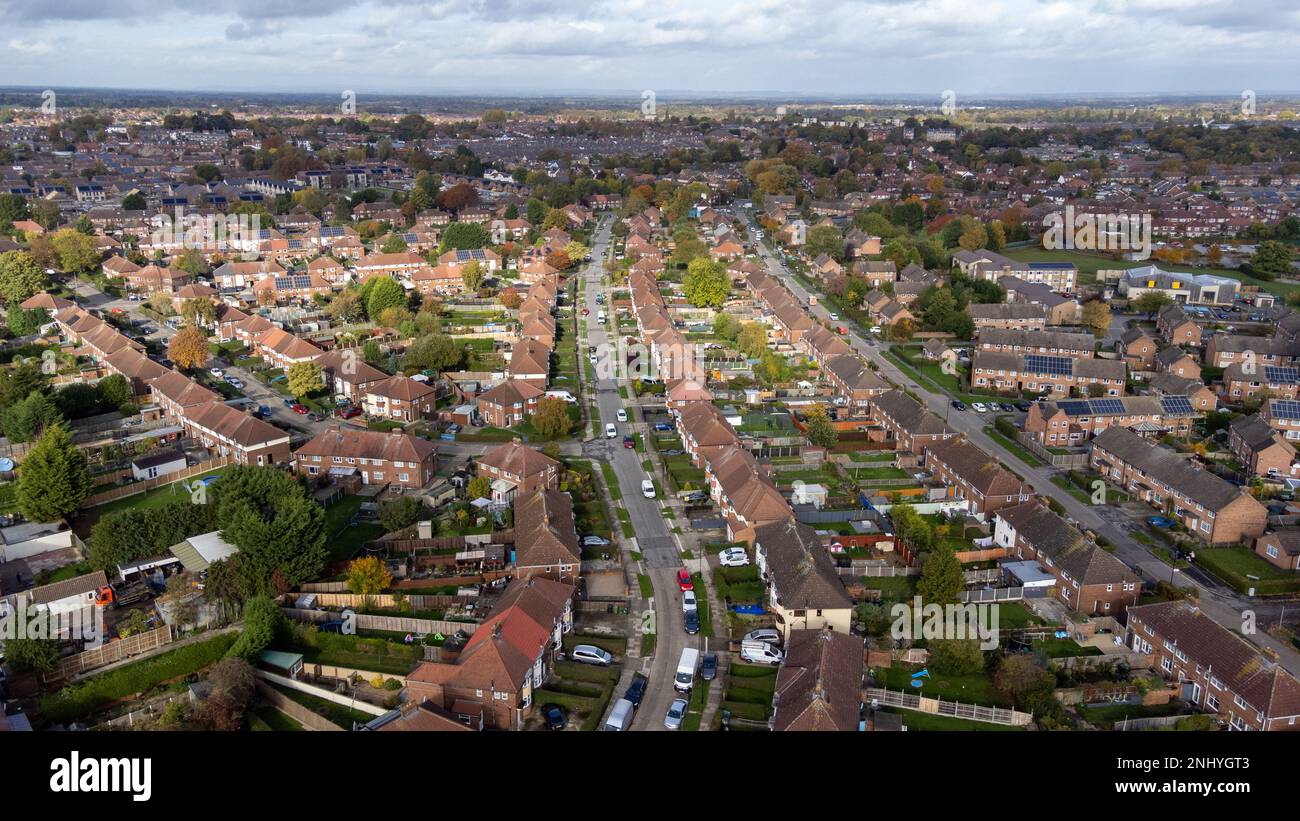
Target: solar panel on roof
[(1107, 406), (1055, 365), (1176, 405), (1076, 407), (1285, 408), (1275, 374)]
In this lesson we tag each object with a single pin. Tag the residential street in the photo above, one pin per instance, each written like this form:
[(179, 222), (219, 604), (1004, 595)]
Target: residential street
[(1218, 602)]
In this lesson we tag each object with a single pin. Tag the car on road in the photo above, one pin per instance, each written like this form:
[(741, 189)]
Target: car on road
[(610, 430), (621, 415), (636, 690), (555, 718), (684, 579), (289, 403), (768, 634), (709, 667), (691, 622), (263, 411), (676, 712), (591, 654), (648, 488), (1161, 521), (689, 602), (217, 372), (349, 412), (1023, 407), (315, 417), (300, 409), (834, 317), (629, 442), (585, 312), (958, 405), (594, 541), (733, 557)]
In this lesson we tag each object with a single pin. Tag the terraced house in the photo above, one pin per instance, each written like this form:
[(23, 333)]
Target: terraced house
[(515, 468), (1049, 343), (546, 543), (378, 458), (1067, 422), (1213, 509), (975, 477), (1217, 669), (907, 423), (1088, 578), (804, 589), (1057, 376)]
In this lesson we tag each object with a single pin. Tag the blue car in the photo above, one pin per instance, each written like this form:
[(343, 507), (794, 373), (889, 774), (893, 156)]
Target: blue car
[(289, 403), (1161, 521), (663, 426)]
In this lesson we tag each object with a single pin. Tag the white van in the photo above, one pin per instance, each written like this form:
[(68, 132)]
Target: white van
[(565, 395), (600, 317), (648, 488), (620, 718), (760, 652), (610, 430), (686, 667)]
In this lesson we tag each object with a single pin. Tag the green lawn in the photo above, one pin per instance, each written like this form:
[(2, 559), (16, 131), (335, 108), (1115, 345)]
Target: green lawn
[(1235, 565), (973, 689), (344, 541), (1014, 448), (892, 588), (928, 722), (157, 497)]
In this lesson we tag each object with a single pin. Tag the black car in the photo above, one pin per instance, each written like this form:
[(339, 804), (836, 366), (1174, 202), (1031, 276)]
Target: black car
[(1023, 407), (636, 690), (958, 405), (709, 667), (692, 621), (555, 718)]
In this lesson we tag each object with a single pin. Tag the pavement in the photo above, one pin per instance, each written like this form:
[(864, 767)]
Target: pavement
[(1221, 604)]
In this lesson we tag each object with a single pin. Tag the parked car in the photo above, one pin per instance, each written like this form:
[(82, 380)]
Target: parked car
[(691, 621), (688, 600), (217, 372), (662, 425), (289, 403), (733, 557), (591, 654), (315, 417), (676, 712), (768, 634), (684, 579), (958, 405), (555, 718), (760, 652), (709, 667), (620, 718), (585, 312), (263, 411), (647, 488), (349, 412), (636, 690), (1023, 407), (629, 442), (300, 409), (674, 452), (834, 317), (594, 541), (621, 415), (1160, 521), (610, 430), (978, 407)]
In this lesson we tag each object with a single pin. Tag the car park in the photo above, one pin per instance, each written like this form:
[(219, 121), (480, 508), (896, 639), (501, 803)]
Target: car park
[(676, 712), (733, 557), (591, 654), (684, 579)]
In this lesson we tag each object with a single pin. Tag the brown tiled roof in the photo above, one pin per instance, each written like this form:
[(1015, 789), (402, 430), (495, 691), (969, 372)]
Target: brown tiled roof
[(1168, 467), (978, 468), (1061, 542), (401, 387), (819, 687), (800, 567), (235, 426), (544, 529), (349, 442), (517, 459), (510, 392)]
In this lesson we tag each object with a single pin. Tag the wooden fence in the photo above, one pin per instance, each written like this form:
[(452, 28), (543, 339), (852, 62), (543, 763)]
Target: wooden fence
[(135, 488), (110, 653), (952, 709), (1060, 460), (993, 594), (308, 719), (393, 624), (386, 600), (148, 712)]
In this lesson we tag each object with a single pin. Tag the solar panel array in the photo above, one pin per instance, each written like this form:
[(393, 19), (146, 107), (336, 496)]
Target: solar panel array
[(1176, 405), (1107, 406), (331, 230), (1287, 375), (1055, 365), (1285, 408), (294, 282), (1075, 407)]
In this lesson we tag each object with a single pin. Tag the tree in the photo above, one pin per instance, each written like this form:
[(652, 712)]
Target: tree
[(134, 201), (1096, 316), (233, 685), (706, 283), (1271, 258), (23, 322), (20, 277), (368, 576), (24, 421), (303, 378), (381, 293), (551, 419), (941, 577), (752, 340), (76, 251), (955, 657), (472, 276), (199, 312), (278, 528), (263, 624), (401, 512), (824, 239), (1020, 675), (53, 479), (1150, 302), (480, 487), (188, 348), (433, 352), (464, 236), (821, 431), (32, 655)]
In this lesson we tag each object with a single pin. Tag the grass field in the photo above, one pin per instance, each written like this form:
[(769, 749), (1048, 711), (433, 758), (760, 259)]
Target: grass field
[(157, 497), (1089, 263)]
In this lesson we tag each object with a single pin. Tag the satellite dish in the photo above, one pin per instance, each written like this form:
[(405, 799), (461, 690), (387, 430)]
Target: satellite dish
[(6, 465)]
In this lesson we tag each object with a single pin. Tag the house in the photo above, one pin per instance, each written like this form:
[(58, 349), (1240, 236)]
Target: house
[(1218, 669), (1088, 578), (1176, 327), (819, 685), (510, 655), (1006, 315), (68, 596), (379, 458), (852, 379), (530, 361), (1068, 422), (743, 491), (346, 374), (1280, 548), (400, 399), (236, 435), (974, 476), (1178, 362), (1197, 392), (805, 591), (906, 421), (1221, 350), (1047, 343), (1137, 348), (157, 464), (1261, 450), (1057, 376), (519, 469), (508, 403), (1213, 509), (1243, 380), (546, 543)]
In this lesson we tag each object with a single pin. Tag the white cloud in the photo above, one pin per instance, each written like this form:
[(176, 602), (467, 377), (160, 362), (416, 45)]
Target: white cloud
[(35, 47)]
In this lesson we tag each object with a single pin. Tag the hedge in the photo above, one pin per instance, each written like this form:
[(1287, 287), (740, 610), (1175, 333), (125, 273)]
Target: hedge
[(77, 701)]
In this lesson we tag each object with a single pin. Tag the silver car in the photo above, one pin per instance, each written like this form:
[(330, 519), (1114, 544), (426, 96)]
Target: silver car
[(676, 712), (590, 654), (767, 634)]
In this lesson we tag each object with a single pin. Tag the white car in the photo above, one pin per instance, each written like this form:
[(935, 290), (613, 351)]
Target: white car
[(610, 430), (647, 488), (978, 407), (688, 601), (875, 329), (676, 712), (733, 557), (834, 317), (591, 654), (217, 372), (621, 415)]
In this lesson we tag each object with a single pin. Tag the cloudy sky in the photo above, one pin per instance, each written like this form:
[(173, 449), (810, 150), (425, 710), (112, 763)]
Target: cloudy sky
[(829, 47)]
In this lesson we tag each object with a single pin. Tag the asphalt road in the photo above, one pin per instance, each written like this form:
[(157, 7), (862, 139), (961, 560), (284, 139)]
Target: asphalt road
[(1223, 605)]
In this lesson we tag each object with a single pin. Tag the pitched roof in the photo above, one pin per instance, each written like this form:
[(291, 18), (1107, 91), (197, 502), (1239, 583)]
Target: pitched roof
[(517, 459), (77, 586), (544, 529), (800, 567), (349, 442), (401, 387), (1169, 468), (1084, 561), (982, 471), (819, 687)]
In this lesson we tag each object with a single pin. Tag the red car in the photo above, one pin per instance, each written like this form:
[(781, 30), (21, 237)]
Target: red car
[(300, 409), (684, 579), (585, 312), (629, 442), (349, 412)]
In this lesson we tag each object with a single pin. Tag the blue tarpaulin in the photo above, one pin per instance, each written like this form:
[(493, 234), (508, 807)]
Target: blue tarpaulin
[(748, 609)]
